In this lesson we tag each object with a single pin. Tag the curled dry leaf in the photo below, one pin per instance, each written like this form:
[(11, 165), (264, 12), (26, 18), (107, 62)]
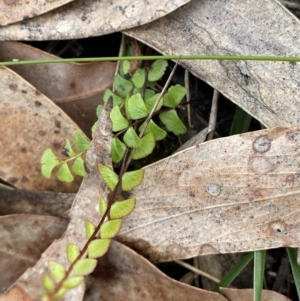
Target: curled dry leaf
[(13, 201), (30, 123), (77, 88), (124, 275), (84, 208), (89, 18), (267, 90), (247, 295), (23, 239), (228, 195)]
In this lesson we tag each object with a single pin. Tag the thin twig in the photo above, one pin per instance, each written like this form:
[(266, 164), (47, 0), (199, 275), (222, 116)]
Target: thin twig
[(213, 115), (197, 271), (188, 98)]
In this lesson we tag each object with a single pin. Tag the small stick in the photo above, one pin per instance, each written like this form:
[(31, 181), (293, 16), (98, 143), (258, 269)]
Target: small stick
[(213, 115)]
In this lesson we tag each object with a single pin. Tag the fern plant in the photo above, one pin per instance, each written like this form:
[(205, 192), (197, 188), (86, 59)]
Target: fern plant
[(135, 135)]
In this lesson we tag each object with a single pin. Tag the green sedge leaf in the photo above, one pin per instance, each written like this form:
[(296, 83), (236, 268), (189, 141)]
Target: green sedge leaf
[(174, 96), (48, 161), (157, 70), (110, 228), (60, 293), (145, 148), (119, 122), (117, 100), (99, 110), (132, 179), (172, 122), (64, 174), (82, 143), (68, 151), (84, 267), (57, 270), (151, 101), (78, 167), (125, 66), (136, 107), (48, 283), (131, 138), (72, 252), (102, 206), (139, 78), (158, 133), (109, 176), (98, 247), (89, 228), (118, 149), (72, 282), (122, 208), (122, 86)]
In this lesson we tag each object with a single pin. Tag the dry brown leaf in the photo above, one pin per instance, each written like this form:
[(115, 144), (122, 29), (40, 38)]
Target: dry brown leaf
[(267, 90), (247, 295), (12, 11), (89, 18), (16, 293), (59, 82), (30, 123), (84, 207), (77, 88), (13, 201), (124, 275), (228, 195), (23, 239)]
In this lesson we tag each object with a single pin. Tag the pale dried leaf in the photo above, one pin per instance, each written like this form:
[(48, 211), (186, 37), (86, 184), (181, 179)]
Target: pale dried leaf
[(247, 295), (30, 123), (84, 208), (13, 201), (266, 90), (124, 275), (23, 239), (12, 11), (228, 195), (89, 18)]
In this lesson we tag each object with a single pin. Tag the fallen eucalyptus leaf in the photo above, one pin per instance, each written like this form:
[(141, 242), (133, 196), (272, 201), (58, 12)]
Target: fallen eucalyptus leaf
[(77, 88), (228, 195), (15, 293), (247, 295), (88, 18), (30, 123), (14, 201), (83, 209), (268, 91), (12, 11), (23, 239), (124, 275)]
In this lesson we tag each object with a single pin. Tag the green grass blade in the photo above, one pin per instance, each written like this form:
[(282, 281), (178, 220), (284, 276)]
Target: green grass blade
[(234, 271), (295, 268), (259, 268), (241, 122)]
